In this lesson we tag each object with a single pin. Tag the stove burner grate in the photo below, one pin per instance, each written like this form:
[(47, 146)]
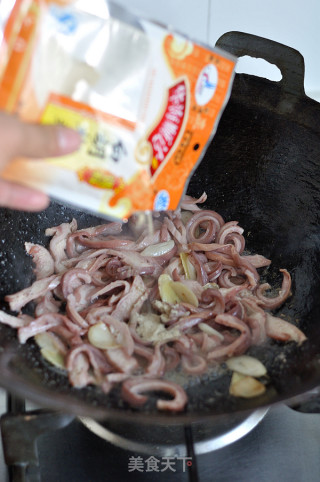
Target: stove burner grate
[(21, 428)]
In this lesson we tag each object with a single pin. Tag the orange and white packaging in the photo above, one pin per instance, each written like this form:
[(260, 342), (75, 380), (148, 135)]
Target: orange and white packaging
[(146, 101)]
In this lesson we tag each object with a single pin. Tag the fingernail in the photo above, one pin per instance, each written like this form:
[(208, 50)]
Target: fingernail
[(68, 140)]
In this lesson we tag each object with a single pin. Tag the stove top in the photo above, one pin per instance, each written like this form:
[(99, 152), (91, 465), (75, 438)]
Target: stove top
[(281, 444)]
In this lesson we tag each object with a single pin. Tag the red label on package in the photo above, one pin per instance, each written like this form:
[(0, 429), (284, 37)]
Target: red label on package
[(165, 134)]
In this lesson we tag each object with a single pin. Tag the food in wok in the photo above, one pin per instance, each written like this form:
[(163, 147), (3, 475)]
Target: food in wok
[(117, 304)]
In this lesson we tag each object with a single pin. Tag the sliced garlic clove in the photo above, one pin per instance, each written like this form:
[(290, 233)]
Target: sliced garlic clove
[(158, 249), (236, 377), (43, 340), (189, 269), (184, 293), (175, 291), (247, 365), (210, 331), (245, 386), (54, 357), (101, 337), (49, 349), (214, 286), (164, 278), (166, 291)]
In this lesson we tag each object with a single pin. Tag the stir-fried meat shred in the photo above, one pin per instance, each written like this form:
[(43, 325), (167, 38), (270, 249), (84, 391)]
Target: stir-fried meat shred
[(122, 310)]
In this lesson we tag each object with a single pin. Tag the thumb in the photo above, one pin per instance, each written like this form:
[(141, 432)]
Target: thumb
[(23, 198), (34, 140)]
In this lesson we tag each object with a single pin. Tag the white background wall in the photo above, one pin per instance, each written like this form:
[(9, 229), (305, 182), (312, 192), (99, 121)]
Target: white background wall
[(295, 23)]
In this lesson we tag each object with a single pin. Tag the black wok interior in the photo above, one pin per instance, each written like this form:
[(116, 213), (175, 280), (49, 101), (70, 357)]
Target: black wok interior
[(262, 169)]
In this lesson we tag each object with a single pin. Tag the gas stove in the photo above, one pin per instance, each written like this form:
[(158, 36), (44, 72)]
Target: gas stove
[(272, 444)]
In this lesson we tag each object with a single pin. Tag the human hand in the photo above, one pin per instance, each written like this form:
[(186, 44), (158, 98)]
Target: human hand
[(20, 139)]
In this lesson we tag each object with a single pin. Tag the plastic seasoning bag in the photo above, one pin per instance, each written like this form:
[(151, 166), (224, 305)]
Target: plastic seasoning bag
[(145, 100)]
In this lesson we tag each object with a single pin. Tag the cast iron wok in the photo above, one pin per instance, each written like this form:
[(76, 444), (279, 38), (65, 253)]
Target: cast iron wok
[(262, 169)]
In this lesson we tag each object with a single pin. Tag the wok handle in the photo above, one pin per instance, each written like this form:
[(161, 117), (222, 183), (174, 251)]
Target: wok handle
[(288, 60)]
